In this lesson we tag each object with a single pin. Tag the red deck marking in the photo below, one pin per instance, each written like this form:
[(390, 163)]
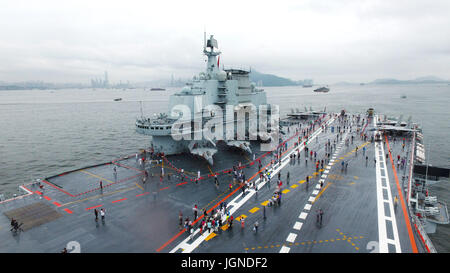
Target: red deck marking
[(68, 211), (48, 198), (57, 204), (145, 193), (128, 167), (120, 200), (27, 189), (61, 190), (164, 188), (400, 193), (181, 183), (423, 240), (94, 207), (38, 192)]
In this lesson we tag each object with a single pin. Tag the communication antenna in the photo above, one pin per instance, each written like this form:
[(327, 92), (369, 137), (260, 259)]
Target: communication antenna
[(142, 114), (204, 38)]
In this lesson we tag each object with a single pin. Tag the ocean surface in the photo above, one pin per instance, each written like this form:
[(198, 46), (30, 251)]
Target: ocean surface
[(47, 132)]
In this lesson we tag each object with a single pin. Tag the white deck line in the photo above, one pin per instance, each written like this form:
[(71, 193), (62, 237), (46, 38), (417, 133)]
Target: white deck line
[(284, 249), (303, 215), (383, 240), (298, 225), (291, 237)]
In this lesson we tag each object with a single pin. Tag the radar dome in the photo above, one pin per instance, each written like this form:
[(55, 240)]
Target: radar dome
[(186, 89), (221, 76)]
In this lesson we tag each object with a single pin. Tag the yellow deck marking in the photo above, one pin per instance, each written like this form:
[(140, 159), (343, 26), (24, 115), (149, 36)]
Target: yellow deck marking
[(294, 186), (209, 169), (286, 191), (351, 183), (239, 217), (302, 181), (210, 236), (253, 210), (265, 203), (224, 227), (355, 177), (320, 193), (96, 176), (139, 186), (97, 196), (341, 157)]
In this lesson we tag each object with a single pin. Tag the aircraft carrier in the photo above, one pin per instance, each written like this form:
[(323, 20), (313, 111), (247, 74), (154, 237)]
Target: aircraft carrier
[(335, 182)]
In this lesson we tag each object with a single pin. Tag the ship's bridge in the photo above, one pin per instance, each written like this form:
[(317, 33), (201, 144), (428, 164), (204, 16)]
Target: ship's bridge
[(161, 125)]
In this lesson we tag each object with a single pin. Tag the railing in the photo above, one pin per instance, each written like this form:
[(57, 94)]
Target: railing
[(423, 235)]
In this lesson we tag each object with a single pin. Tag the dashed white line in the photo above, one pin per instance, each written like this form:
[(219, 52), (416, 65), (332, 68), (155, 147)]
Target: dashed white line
[(298, 225), (284, 249), (303, 215), (291, 237)]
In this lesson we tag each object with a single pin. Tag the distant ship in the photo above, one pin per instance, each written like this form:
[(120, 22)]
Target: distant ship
[(322, 90), (157, 89), (118, 99), (403, 96)]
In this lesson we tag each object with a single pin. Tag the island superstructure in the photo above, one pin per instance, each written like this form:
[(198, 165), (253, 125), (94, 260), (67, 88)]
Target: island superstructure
[(217, 87)]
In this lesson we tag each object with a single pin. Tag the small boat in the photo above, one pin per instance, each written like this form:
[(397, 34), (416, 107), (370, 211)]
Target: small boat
[(118, 99), (157, 89), (322, 90), (403, 96)]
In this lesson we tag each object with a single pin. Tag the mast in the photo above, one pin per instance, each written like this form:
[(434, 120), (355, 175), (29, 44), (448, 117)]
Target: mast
[(211, 66)]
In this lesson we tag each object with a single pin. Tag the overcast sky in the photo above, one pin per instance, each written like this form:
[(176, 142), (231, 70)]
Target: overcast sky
[(329, 41)]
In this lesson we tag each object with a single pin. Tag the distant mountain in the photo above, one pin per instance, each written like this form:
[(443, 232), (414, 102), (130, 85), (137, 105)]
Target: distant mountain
[(345, 83), (427, 79), (271, 80)]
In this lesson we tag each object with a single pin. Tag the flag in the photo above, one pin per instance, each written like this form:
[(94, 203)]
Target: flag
[(218, 60)]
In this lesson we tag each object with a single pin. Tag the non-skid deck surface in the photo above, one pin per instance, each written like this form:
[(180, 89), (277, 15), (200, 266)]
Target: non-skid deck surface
[(33, 215)]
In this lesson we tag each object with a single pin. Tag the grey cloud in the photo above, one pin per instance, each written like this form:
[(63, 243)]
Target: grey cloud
[(138, 40)]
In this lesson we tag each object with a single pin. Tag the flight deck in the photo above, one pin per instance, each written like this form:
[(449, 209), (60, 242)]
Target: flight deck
[(355, 194)]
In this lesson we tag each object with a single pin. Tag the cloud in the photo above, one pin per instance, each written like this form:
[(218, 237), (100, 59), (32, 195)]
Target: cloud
[(329, 41)]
